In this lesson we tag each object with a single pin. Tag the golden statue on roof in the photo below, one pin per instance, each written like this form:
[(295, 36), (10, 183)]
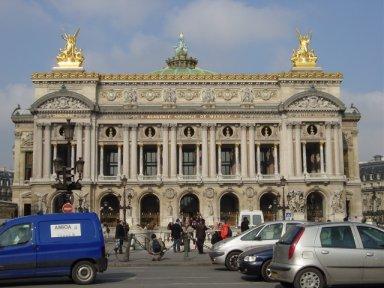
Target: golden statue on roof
[(70, 56), (304, 56)]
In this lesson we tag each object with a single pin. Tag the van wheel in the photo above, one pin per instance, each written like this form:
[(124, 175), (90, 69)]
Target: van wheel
[(266, 271), (309, 278), (83, 273), (231, 261)]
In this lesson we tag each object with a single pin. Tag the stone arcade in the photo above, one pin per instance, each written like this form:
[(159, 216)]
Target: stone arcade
[(191, 141)]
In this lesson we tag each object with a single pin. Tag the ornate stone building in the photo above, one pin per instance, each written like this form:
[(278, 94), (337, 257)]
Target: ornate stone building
[(192, 141)]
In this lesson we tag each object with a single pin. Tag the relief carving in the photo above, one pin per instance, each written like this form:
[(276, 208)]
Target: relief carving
[(170, 96), (296, 201), (130, 96), (189, 94), (337, 201), (27, 139), (64, 103), (247, 96), (249, 192), (151, 94), (209, 193), (170, 193), (208, 96), (313, 103), (227, 94), (265, 94)]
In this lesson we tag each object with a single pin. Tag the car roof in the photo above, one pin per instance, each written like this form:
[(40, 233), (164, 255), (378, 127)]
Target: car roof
[(322, 224)]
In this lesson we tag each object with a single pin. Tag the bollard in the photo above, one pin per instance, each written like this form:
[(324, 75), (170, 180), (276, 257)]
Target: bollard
[(128, 249), (186, 245)]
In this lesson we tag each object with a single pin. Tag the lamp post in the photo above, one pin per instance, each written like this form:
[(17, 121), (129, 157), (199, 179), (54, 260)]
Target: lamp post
[(124, 207), (65, 181), (282, 207)]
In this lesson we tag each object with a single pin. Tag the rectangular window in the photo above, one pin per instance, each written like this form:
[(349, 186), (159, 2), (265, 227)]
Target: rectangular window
[(228, 161), (337, 237), (189, 162), (111, 161), (372, 238), (150, 162), (28, 165)]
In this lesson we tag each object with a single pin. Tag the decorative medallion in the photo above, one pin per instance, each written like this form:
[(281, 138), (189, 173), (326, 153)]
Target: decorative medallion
[(266, 131), (110, 132), (111, 95), (189, 94), (209, 193), (265, 94), (249, 192), (227, 131), (170, 193), (189, 132), (227, 94), (312, 130), (150, 132), (151, 94)]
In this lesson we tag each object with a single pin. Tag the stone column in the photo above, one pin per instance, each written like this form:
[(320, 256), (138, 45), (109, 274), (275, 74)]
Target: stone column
[(204, 150), (158, 160), (173, 152), (55, 151), (72, 155), (275, 164), (94, 147), (341, 150), (237, 159), (37, 151), (118, 160), (244, 160), (47, 151), (321, 157), (305, 159), (219, 159), (336, 148), (126, 150), (251, 151), (298, 162), (289, 157), (180, 159), (198, 159), (165, 150), (258, 159), (133, 152), (328, 149), (19, 165), (101, 163), (355, 153), (212, 151), (79, 140), (87, 151), (141, 160)]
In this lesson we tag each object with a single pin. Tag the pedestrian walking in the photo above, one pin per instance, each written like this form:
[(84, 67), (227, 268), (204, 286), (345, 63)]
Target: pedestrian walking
[(119, 237), (176, 231), (200, 235), (225, 230), (187, 235), (244, 225)]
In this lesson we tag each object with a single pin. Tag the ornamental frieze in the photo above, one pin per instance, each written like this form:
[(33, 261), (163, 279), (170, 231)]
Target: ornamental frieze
[(111, 94), (63, 103), (265, 94), (227, 94), (151, 94), (313, 103), (189, 94)]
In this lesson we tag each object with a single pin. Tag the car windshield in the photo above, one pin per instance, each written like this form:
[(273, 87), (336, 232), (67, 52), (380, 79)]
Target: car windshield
[(251, 235), (289, 235)]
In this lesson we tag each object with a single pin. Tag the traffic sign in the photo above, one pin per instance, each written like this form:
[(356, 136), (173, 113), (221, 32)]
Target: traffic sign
[(67, 208)]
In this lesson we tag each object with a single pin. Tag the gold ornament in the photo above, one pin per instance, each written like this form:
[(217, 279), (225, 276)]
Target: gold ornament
[(303, 56), (70, 56)]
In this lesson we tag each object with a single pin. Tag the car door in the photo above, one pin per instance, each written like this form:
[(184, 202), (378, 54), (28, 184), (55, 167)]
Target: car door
[(337, 252), (373, 244), (17, 251)]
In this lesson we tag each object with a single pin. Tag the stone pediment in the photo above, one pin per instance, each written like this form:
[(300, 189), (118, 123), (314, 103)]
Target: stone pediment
[(63, 100), (313, 100)]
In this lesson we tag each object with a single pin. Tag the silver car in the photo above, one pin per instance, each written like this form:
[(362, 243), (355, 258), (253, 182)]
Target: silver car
[(324, 254), (227, 251)]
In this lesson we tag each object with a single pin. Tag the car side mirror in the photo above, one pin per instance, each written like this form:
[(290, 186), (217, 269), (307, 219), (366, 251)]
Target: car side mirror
[(258, 238)]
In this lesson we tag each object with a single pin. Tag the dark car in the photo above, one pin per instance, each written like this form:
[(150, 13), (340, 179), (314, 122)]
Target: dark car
[(256, 261)]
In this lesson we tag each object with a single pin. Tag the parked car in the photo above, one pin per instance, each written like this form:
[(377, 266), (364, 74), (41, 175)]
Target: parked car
[(256, 261), (227, 251), (329, 254), (53, 245)]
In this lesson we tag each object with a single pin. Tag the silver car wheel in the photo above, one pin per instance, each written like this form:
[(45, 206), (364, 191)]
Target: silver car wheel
[(84, 273), (309, 280)]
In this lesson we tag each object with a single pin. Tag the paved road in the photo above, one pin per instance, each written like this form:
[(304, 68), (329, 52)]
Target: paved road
[(152, 277)]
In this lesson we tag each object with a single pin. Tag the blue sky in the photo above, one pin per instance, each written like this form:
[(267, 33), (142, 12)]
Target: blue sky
[(225, 35)]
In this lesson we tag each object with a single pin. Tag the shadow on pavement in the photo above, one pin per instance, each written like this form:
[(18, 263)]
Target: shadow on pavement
[(251, 278)]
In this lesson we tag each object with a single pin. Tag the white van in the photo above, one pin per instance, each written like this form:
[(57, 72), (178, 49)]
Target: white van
[(255, 217)]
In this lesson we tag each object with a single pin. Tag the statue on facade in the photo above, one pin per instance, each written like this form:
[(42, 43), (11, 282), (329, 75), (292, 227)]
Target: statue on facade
[(296, 201), (70, 56), (210, 208), (181, 49), (304, 56), (41, 202), (336, 201), (170, 209)]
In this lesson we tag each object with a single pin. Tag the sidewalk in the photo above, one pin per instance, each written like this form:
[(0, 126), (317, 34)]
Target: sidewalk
[(170, 258)]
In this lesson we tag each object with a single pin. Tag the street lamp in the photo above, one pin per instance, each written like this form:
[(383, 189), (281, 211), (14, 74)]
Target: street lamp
[(124, 182), (65, 184), (283, 207)]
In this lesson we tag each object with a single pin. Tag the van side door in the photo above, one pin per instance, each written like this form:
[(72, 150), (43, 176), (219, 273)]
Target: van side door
[(17, 251), (373, 244)]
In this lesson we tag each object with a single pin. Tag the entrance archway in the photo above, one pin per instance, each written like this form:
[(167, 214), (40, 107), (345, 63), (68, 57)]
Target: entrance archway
[(149, 211), (189, 205), (229, 208), (315, 207), (58, 202), (109, 209), (268, 204)]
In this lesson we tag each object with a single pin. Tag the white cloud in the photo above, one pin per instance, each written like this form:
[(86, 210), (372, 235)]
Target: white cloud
[(223, 24), (371, 125), (10, 96)]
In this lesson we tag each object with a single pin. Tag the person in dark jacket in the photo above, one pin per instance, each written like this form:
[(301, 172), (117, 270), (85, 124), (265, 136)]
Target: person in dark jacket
[(200, 235), (176, 232), (244, 224), (119, 237)]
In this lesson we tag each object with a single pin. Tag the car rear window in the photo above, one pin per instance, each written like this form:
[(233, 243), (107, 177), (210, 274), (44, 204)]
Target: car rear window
[(290, 235)]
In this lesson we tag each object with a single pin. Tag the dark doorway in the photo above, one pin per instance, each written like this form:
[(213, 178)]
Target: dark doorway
[(109, 209), (315, 209), (27, 209), (268, 204), (150, 211), (189, 205), (229, 208)]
